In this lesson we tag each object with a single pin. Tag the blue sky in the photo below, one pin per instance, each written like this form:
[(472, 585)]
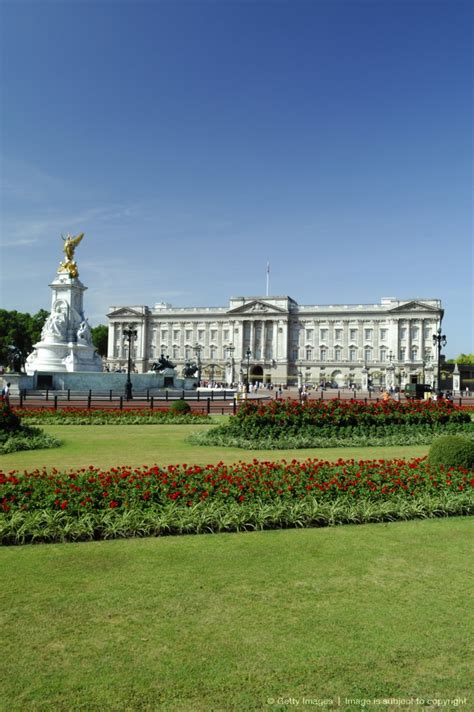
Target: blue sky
[(194, 141)]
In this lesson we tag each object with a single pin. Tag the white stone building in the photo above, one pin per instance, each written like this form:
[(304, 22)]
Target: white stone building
[(390, 343)]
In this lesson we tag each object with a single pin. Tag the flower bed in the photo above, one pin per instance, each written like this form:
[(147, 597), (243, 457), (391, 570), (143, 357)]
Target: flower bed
[(93, 503), (109, 416), (335, 423), (293, 415)]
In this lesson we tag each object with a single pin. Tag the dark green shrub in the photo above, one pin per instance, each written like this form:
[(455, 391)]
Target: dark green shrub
[(9, 421), (180, 407), (452, 451)]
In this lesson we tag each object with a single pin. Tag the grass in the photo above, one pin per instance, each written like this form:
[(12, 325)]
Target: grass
[(226, 622), (110, 445), (230, 621)]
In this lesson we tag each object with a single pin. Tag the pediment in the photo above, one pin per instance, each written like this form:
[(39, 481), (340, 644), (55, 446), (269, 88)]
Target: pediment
[(125, 313), (415, 306), (257, 306)]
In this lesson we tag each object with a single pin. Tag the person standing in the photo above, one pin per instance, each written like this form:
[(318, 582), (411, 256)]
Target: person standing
[(6, 394)]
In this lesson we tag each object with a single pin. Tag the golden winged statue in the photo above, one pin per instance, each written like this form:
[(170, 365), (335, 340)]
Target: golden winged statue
[(69, 265)]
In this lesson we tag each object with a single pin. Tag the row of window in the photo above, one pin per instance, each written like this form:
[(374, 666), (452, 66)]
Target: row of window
[(368, 334), (310, 354), (370, 354)]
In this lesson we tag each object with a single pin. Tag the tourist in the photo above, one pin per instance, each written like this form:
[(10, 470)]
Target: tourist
[(6, 394)]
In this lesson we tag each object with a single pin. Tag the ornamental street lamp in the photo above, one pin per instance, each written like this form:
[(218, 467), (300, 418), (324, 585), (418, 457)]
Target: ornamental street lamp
[(248, 354), (197, 349), (391, 369), (231, 349), (365, 372), (300, 374), (439, 340), (129, 334)]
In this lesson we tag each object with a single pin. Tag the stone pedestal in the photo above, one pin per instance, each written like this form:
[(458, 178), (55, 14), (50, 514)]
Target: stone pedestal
[(66, 343), (456, 381)]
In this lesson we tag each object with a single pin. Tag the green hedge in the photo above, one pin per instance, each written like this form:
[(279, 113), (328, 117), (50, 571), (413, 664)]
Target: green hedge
[(452, 451), (331, 436)]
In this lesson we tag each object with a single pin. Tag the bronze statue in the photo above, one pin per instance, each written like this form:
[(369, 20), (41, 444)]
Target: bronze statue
[(190, 369), (162, 364), (69, 265)]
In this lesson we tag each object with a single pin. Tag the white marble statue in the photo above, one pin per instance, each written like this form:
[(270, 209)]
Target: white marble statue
[(84, 335)]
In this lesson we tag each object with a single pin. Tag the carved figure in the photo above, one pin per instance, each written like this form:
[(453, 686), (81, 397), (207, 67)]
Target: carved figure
[(56, 323), (84, 332), (15, 358), (190, 369), (162, 364), (69, 265)]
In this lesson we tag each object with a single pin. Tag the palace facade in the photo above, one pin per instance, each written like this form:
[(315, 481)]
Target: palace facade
[(277, 340)]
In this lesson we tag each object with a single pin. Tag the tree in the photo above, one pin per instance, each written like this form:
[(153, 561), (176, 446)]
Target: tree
[(466, 359), (18, 332), (100, 338)]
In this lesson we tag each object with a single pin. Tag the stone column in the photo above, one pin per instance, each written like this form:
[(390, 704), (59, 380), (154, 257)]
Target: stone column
[(456, 381)]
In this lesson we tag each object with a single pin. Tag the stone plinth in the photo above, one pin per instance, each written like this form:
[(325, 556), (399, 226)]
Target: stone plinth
[(66, 343)]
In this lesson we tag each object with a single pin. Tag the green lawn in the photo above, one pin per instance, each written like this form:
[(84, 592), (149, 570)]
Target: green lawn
[(109, 445), (229, 621)]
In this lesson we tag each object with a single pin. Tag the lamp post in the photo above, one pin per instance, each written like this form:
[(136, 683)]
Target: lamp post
[(248, 354), (300, 374), (439, 340), (231, 349), (197, 349), (129, 334), (365, 371), (391, 368)]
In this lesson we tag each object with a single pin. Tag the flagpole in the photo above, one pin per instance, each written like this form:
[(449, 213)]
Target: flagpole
[(268, 277)]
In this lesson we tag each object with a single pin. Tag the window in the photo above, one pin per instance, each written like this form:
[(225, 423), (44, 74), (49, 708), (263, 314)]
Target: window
[(213, 334), (353, 334), (200, 335), (383, 354), (187, 353), (176, 335), (415, 331), (309, 354), (338, 334), (175, 351), (322, 354), (163, 348), (414, 353), (225, 335), (309, 336), (337, 353), (403, 333), (427, 355), (189, 335), (164, 336), (294, 354), (403, 353), (368, 353), (383, 335), (352, 354), (213, 352), (368, 334), (323, 334)]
